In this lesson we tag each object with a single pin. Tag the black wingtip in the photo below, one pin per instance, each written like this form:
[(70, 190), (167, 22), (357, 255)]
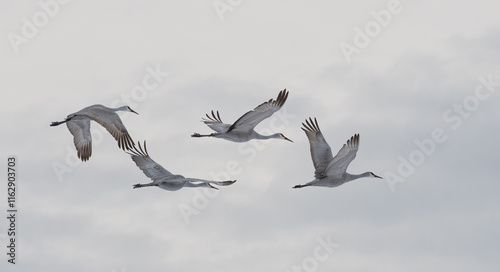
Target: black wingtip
[(143, 151), (133, 151), (311, 125), (282, 97)]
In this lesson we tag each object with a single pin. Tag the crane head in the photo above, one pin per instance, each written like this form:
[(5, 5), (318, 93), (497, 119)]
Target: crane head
[(131, 110), (285, 138)]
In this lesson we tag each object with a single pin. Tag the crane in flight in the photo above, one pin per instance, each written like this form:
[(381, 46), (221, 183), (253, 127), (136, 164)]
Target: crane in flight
[(243, 129), (162, 178), (78, 124), (330, 171)]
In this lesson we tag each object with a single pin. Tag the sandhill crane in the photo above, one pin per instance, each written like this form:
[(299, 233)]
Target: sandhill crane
[(162, 177), (78, 124), (330, 171), (243, 129)]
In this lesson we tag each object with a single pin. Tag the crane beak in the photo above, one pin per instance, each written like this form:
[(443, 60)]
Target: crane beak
[(375, 176), (287, 139), (134, 111)]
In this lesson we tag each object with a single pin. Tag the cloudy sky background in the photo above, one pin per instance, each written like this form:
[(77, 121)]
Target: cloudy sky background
[(405, 85)]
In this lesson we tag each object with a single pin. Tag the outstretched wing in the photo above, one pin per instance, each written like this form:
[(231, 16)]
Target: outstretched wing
[(214, 122), (220, 183), (249, 120), (113, 124), (321, 153), (79, 126), (150, 168), (338, 166)]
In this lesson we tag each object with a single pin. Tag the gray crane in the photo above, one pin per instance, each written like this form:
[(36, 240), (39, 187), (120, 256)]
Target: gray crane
[(162, 178), (243, 129), (78, 124), (330, 171)]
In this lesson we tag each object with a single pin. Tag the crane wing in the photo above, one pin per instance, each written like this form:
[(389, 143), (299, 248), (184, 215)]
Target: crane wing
[(220, 183), (249, 120), (338, 166), (113, 124), (321, 153), (79, 126), (214, 122), (150, 168)]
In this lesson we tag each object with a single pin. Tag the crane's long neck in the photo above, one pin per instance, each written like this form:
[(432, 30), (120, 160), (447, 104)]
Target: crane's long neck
[(122, 108), (353, 177), (265, 137)]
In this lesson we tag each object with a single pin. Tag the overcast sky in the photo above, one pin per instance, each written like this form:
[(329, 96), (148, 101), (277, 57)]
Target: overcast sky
[(418, 80)]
